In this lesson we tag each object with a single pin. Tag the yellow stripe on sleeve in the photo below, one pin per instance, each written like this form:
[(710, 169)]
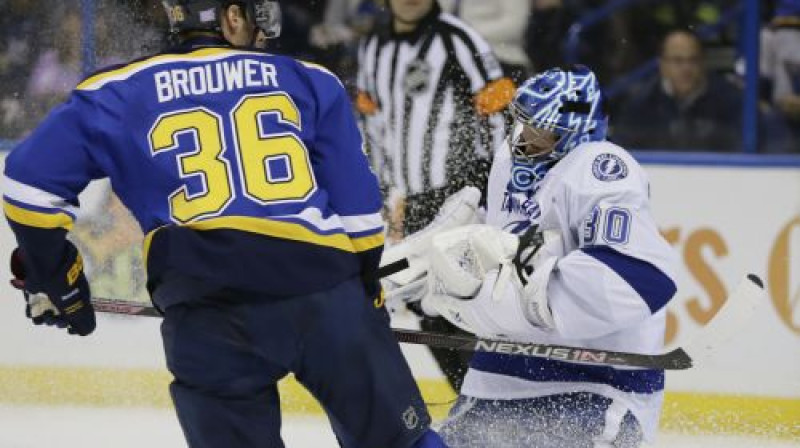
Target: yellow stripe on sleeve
[(278, 229), (366, 243), (37, 219)]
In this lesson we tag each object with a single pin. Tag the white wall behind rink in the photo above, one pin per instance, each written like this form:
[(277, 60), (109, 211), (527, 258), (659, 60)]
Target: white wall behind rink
[(723, 221)]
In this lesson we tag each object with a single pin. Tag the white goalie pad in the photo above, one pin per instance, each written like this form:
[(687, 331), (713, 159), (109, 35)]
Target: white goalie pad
[(458, 210)]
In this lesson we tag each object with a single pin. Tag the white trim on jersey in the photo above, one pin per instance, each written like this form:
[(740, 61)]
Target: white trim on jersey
[(362, 223), (36, 197), (350, 224)]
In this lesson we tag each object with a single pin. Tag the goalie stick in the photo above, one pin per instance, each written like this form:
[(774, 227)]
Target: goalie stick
[(730, 319)]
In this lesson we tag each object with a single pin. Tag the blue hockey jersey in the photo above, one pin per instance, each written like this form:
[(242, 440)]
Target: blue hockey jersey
[(242, 168)]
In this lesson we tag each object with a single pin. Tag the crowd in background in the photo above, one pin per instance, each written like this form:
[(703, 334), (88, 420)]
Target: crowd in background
[(690, 100)]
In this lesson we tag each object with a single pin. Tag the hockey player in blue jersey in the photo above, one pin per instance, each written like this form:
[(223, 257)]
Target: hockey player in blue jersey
[(263, 230), (589, 269)]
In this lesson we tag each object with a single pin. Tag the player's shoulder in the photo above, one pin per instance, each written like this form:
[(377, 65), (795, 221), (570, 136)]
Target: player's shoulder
[(607, 161), (602, 166), (316, 72), (319, 73), (121, 72)]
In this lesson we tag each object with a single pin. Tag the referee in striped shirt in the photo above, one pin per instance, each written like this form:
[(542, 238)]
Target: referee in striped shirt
[(432, 98)]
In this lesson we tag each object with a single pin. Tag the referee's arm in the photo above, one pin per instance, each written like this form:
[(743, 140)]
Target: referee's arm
[(492, 91)]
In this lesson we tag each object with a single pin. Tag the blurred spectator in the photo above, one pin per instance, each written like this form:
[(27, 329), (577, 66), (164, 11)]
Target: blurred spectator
[(128, 30), (57, 70), (547, 28), (503, 25), (299, 17), (683, 108), (605, 45), (19, 40), (666, 16), (336, 37), (780, 64), (345, 21), (620, 42)]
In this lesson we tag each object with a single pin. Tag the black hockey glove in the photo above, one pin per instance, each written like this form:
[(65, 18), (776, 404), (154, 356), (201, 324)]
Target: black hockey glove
[(67, 304)]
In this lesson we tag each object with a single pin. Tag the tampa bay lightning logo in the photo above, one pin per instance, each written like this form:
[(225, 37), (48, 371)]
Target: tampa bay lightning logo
[(609, 167)]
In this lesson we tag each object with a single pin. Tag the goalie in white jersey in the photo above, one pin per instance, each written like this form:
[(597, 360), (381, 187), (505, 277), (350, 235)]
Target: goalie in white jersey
[(590, 269)]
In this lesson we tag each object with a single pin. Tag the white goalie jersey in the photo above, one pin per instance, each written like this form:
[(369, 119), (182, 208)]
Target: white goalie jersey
[(613, 278)]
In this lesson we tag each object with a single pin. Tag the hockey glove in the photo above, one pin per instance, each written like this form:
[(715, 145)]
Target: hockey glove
[(490, 283), (68, 304), (410, 284)]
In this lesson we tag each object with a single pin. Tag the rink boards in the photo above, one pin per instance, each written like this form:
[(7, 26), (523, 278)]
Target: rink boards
[(724, 216)]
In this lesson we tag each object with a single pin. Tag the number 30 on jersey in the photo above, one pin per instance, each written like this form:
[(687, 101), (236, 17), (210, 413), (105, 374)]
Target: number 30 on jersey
[(613, 224), (274, 168)]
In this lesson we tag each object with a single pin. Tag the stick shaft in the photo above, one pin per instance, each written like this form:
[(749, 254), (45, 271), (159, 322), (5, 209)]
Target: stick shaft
[(739, 306), (675, 360)]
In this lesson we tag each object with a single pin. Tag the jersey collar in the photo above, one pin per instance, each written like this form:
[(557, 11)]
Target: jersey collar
[(195, 42)]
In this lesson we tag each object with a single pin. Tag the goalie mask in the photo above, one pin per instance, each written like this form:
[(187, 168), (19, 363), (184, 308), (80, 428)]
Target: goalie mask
[(554, 112), (204, 15)]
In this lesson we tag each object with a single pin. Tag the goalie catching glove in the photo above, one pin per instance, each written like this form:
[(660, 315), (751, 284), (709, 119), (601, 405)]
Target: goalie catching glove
[(492, 283), (410, 284), (67, 303)]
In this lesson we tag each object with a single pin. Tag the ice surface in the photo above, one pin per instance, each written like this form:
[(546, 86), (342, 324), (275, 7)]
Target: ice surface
[(66, 427)]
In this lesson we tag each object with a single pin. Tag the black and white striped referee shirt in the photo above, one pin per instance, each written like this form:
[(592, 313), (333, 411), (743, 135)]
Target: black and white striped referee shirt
[(432, 103)]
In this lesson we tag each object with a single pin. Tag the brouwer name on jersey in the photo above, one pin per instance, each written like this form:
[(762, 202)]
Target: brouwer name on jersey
[(218, 77)]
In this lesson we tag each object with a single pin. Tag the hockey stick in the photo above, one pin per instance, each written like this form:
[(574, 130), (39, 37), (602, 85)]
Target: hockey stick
[(677, 359), (132, 308), (728, 321), (393, 267)]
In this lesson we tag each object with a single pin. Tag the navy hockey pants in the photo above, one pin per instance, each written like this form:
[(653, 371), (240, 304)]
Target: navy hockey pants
[(228, 351)]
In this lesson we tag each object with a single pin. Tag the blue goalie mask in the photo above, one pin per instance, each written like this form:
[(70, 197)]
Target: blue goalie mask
[(555, 111)]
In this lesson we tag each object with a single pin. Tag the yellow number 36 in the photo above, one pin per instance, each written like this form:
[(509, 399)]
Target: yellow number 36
[(273, 168)]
